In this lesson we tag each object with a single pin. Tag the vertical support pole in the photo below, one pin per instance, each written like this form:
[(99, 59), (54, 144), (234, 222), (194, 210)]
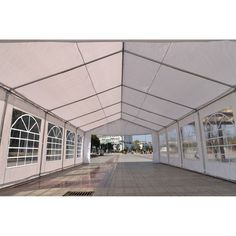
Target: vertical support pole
[(155, 145), (180, 144), (64, 147), (202, 144), (3, 115), (43, 146), (167, 147), (87, 146), (76, 141)]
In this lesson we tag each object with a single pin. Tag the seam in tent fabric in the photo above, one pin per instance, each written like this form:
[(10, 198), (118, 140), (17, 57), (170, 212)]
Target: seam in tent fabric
[(179, 69), (155, 76), (91, 81), (82, 99), (94, 111), (67, 70)]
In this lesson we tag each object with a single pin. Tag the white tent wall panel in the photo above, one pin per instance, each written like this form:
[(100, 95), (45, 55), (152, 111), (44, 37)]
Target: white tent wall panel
[(175, 159), (155, 145), (59, 90), (151, 50), (225, 170), (106, 73), (80, 160), (50, 166), (87, 147), (69, 162), (213, 59), (93, 50), (193, 164), (138, 72), (21, 63), (182, 85), (15, 174), (164, 157)]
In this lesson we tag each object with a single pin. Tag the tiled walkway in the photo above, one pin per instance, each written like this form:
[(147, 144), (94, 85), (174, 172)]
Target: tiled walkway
[(125, 175)]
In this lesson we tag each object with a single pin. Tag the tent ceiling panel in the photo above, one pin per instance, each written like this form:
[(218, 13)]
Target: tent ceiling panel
[(110, 97), (88, 118), (93, 50), (114, 117), (21, 63), (120, 127), (177, 86), (133, 97), (78, 109), (165, 108), (59, 90), (155, 51), (98, 123), (106, 73), (141, 122), (129, 109), (138, 72), (52, 75), (214, 59), (113, 109), (94, 125), (146, 115)]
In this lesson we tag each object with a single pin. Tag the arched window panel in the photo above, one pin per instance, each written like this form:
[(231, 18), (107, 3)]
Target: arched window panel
[(172, 143), (24, 139), (70, 144), (163, 144), (220, 134), (54, 142), (189, 141), (79, 145)]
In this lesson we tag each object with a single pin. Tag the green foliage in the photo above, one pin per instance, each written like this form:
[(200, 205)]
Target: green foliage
[(95, 142)]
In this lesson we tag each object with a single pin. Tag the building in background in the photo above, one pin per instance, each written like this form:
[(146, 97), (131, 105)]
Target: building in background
[(119, 142)]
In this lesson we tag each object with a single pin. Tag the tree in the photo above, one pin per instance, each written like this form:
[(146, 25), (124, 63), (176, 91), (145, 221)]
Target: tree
[(136, 145), (95, 142)]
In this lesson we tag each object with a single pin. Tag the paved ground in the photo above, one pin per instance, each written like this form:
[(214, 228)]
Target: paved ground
[(125, 175)]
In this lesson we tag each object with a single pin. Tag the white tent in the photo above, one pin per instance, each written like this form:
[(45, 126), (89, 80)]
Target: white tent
[(90, 84), (116, 88)]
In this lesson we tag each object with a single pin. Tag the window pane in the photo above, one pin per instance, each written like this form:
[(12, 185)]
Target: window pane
[(220, 136), (189, 141), (22, 137), (172, 143), (163, 145), (70, 144), (54, 142)]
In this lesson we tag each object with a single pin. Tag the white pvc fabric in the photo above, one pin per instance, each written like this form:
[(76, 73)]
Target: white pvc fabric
[(122, 87)]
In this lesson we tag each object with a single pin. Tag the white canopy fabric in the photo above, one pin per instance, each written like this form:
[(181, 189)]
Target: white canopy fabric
[(119, 86)]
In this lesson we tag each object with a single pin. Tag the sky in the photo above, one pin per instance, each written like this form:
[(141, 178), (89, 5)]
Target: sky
[(147, 138)]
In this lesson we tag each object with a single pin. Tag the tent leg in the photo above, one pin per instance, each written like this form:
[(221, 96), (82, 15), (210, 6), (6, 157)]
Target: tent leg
[(86, 149), (155, 145)]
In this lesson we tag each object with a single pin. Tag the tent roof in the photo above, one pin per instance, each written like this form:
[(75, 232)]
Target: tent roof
[(144, 84)]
